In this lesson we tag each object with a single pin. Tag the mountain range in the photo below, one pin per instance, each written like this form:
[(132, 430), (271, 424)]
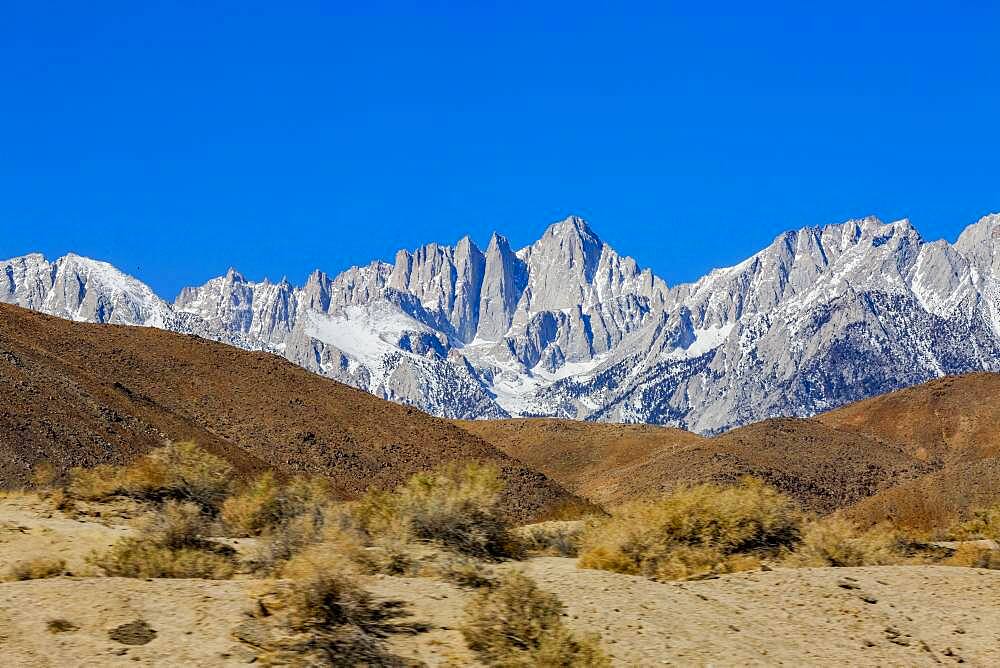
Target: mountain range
[(566, 327)]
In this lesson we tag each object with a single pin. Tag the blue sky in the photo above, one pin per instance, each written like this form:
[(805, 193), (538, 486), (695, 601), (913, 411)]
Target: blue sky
[(176, 139)]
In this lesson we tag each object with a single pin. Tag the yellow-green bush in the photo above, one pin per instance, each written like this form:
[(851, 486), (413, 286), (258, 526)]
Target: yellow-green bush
[(454, 506), (834, 541), (971, 555), (265, 505), (984, 523), (36, 569), (137, 558), (515, 623), (179, 471), (173, 543), (694, 531)]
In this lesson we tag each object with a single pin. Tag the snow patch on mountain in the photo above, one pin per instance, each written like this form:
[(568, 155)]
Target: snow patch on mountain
[(568, 327)]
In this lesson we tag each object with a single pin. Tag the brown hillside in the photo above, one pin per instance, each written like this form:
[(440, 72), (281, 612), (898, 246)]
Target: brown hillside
[(953, 419), (821, 467), (607, 463), (953, 422), (934, 501), (78, 394)]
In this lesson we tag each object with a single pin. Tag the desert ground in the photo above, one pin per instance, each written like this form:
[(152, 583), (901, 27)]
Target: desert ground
[(890, 615)]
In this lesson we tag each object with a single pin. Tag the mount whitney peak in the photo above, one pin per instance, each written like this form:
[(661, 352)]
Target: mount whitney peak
[(568, 327)]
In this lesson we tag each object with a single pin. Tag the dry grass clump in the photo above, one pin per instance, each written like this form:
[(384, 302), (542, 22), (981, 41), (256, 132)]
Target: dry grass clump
[(173, 543), (517, 624), (455, 506), (555, 538), (36, 569), (984, 523), (43, 475), (463, 571), (694, 531), (324, 617), (973, 556), (834, 541), (178, 471)]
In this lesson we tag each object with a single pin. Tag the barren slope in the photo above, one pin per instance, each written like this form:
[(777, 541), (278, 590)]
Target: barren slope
[(954, 419), (81, 394), (820, 466)]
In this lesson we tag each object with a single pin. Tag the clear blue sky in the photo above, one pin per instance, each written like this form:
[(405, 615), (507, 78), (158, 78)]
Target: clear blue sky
[(178, 138)]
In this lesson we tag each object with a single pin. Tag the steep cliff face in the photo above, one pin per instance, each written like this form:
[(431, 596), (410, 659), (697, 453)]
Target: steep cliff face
[(568, 327)]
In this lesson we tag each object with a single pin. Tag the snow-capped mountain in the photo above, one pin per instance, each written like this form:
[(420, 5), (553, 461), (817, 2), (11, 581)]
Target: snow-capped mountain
[(567, 327)]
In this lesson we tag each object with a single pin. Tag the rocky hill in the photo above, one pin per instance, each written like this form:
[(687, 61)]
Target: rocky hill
[(79, 394)]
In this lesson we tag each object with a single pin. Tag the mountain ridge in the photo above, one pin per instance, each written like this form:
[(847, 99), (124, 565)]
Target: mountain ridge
[(567, 327)]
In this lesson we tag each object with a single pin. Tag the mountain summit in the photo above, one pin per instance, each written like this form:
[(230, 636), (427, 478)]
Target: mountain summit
[(568, 327)]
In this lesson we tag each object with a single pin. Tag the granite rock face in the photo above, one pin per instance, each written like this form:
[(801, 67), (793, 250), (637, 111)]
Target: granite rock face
[(568, 327)]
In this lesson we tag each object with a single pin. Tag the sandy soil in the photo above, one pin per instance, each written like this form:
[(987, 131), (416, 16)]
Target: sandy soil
[(31, 528), (893, 615), (887, 616)]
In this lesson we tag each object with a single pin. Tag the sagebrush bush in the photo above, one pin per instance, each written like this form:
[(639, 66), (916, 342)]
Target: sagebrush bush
[(694, 531), (136, 558), (556, 538), (455, 506), (266, 505), (515, 623), (285, 540), (326, 618), (36, 569), (172, 543), (178, 471), (834, 541), (43, 475), (462, 570), (984, 523), (971, 555)]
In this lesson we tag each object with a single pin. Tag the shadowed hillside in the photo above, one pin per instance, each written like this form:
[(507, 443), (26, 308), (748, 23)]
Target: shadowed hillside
[(79, 395)]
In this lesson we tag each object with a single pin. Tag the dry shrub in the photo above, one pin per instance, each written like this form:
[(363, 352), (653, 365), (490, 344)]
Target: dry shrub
[(173, 543), (324, 617), (178, 471), (93, 484), (43, 475), (36, 569), (694, 531), (834, 541), (293, 535), (517, 624), (454, 506), (556, 538), (133, 558), (388, 556), (971, 555), (462, 571), (265, 505), (984, 523)]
